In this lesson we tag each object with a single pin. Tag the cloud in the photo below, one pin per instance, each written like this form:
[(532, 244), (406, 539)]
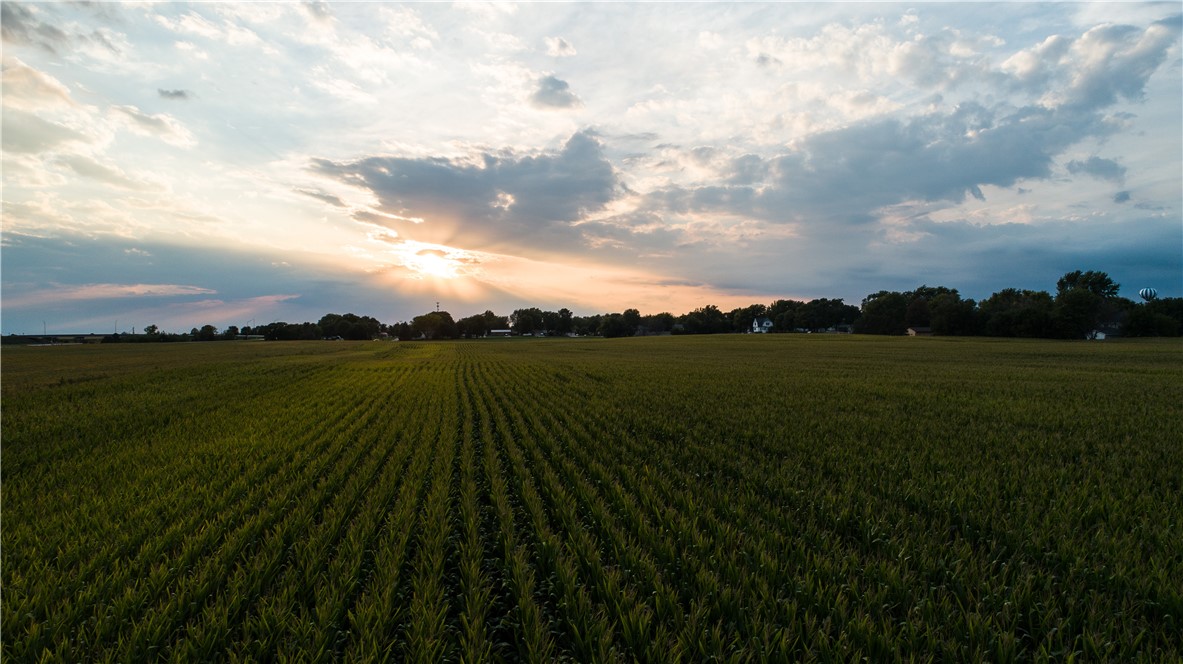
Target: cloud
[(324, 197), (19, 25), (317, 10), (27, 133), (161, 125), (847, 175), (554, 93), (381, 219), (227, 32), (1105, 63), (1121, 197), (765, 60), (22, 25), (176, 95), (1115, 61), (102, 291), (557, 47), (108, 173), (29, 89), (1106, 169), (491, 197)]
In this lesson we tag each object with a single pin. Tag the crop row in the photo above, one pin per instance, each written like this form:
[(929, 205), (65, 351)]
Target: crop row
[(650, 499)]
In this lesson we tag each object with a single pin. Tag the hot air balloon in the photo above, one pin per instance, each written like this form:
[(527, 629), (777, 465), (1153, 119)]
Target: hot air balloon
[(1148, 294)]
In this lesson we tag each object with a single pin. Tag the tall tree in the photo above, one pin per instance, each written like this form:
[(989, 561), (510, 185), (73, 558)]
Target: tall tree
[(435, 325), (883, 313), (472, 327), (951, 315), (706, 320), (494, 322), (1097, 283), (1017, 313), (526, 321)]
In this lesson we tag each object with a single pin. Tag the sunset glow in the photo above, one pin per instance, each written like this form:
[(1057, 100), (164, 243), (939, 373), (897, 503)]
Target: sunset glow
[(287, 160)]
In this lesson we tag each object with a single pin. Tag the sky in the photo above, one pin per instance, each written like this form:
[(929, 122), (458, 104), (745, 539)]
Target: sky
[(245, 163)]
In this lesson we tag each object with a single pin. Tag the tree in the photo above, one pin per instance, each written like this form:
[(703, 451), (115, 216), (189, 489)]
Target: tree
[(586, 325), (565, 322), (1144, 321), (823, 314), (706, 320), (951, 315), (207, 333), (1097, 283), (230, 333), (472, 327), (349, 326), (632, 319), (783, 314), (658, 323), (151, 330), (1017, 313), (615, 325), (435, 325), (918, 313), (526, 321), (741, 318), (494, 322), (1076, 313), (883, 313)]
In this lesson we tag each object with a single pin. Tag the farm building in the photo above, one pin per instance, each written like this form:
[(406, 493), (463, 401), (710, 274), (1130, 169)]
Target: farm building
[(762, 325)]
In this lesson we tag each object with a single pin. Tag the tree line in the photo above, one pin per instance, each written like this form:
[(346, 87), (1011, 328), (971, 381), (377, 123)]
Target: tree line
[(1083, 304)]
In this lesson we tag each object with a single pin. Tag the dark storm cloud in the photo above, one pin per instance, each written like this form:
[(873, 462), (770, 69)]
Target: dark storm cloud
[(554, 93), (176, 95), (1106, 169), (499, 196), (1121, 197)]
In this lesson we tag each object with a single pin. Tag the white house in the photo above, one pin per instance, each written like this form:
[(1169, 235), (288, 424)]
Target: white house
[(762, 325)]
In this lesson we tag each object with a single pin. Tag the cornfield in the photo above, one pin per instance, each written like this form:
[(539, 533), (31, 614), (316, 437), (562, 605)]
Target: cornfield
[(741, 499)]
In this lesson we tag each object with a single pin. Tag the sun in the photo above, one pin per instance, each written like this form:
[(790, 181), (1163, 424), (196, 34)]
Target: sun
[(430, 264)]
